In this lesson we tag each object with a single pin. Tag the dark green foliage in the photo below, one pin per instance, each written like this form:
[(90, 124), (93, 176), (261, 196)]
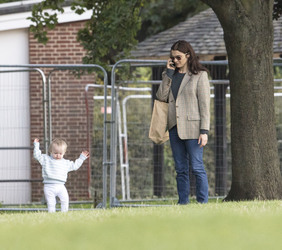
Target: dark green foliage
[(115, 26), (277, 9), (8, 1), (110, 33), (159, 15), (44, 21)]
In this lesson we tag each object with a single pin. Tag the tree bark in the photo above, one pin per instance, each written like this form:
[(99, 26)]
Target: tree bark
[(248, 35)]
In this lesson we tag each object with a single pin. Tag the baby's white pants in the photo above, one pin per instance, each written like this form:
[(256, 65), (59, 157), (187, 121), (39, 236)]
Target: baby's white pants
[(52, 191)]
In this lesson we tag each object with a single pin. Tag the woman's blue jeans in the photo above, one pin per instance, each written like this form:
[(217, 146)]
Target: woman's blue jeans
[(188, 153)]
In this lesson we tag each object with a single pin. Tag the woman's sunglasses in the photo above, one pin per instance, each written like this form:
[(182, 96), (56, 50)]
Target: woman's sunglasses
[(178, 58)]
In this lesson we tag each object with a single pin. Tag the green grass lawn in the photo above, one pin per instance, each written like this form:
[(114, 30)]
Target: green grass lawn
[(242, 225)]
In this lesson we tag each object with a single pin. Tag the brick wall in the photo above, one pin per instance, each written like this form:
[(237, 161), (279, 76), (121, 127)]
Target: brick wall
[(68, 103)]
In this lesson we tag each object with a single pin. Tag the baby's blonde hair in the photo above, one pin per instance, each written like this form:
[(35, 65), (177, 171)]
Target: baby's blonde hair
[(59, 142)]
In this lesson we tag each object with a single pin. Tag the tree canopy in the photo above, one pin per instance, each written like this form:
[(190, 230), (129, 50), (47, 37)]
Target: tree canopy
[(115, 26)]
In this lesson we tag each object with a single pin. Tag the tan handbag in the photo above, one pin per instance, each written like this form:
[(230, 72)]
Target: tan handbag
[(158, 132)]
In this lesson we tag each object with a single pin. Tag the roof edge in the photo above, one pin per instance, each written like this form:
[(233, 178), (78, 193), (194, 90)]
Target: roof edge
[(23, 6), (19, 20)]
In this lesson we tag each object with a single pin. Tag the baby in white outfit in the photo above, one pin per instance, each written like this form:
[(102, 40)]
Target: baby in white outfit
[(55, 171)]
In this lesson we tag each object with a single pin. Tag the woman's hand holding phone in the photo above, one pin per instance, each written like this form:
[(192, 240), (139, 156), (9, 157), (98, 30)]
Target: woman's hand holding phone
[(170, 64)]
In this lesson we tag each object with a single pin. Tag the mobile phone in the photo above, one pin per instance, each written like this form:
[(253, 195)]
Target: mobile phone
[(172, 64)]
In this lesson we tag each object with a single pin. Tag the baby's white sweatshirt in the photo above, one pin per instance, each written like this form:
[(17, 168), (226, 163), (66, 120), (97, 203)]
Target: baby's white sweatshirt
[(55, 171)]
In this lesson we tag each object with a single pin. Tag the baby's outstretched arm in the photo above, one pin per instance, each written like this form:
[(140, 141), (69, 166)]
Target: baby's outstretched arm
[(78, 162), (37, 152), (85, 153)]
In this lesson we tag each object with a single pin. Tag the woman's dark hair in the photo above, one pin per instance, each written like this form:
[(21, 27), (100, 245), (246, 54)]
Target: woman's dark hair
[(193, 61)]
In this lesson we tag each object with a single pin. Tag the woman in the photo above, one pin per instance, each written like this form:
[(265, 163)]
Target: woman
[(185, 86)]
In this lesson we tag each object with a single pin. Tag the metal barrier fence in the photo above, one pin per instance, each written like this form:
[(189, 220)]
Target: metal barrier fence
[(151, 169), (158, 184), (28, 104), (112, 122)]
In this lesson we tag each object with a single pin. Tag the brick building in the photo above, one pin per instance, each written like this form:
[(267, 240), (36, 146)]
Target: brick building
[(18, 47)]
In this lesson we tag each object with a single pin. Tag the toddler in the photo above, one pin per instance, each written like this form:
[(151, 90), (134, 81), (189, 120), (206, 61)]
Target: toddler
[(55, 170)]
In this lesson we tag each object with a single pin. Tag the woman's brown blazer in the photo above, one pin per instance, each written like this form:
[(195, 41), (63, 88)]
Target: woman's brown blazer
[(191, 109)]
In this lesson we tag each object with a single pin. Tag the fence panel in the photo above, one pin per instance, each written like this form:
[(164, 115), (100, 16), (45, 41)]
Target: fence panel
[(151, 167), (64, 104), (56, 107), (15, 171)]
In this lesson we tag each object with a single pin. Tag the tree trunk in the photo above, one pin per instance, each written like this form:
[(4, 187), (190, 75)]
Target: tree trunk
[(248, 35)]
